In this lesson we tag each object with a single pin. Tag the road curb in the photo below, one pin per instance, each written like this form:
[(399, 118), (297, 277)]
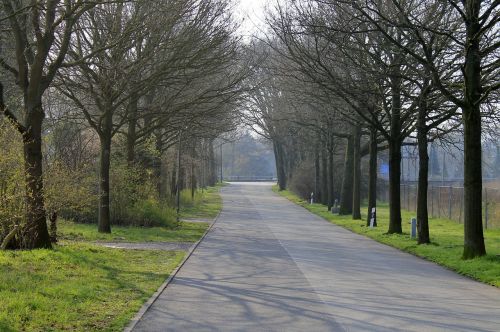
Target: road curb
[(145, 307)]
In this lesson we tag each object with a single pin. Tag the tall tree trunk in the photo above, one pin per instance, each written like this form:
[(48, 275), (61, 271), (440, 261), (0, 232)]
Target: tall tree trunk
[(132, 127), (372, 177), (163, 179), (104, 219), (331, 171), (473, 180), (173, 180), (317, 186), (347, 190), (192, 180), (212, 165), (395, 143), (356, 193), (157, 163), (35, 234), (423, 173), (394, 187), (324, 177), (289, 157), (280, 165), (473, 227)]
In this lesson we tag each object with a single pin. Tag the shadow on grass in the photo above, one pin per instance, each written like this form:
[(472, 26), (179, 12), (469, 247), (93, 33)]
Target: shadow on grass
[(4, 327)]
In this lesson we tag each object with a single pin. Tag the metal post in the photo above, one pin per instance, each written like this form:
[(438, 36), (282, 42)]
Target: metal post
[(413, 230)]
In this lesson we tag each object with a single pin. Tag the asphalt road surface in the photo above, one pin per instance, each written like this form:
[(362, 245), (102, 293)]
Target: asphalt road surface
[(269, 265)]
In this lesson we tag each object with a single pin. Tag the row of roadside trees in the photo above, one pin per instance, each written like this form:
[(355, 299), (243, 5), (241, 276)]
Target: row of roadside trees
[(81, 79), (355, 78)]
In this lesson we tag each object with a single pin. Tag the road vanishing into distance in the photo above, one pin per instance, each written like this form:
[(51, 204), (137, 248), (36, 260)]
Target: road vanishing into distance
[(270, 265)]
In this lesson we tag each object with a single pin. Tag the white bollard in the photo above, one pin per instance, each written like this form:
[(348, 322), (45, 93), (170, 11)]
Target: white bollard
[(373, 219)]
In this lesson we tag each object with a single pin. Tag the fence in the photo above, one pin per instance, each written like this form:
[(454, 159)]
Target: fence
[(447, 202)]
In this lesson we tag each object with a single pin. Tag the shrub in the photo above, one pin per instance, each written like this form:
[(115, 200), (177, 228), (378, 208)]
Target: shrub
[(188, 200), (149, 213), (129, 186), (11, 178), (70, 192), (302, 181)]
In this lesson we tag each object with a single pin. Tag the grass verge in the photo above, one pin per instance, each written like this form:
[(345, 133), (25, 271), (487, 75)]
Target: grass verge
[(446, 236), (80, 286), (186, 232), (206, 204)]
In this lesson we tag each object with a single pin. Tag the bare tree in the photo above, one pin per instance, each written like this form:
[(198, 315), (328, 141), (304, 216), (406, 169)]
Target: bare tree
[(40, 34)]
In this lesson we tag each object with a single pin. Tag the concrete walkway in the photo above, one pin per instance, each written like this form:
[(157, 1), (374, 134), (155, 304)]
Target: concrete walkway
[(269, 265)]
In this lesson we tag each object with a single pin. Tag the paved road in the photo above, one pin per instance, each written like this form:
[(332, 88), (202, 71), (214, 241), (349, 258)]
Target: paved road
[(269, 265)]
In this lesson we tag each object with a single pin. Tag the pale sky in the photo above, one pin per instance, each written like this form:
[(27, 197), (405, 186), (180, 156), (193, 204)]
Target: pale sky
[(252, 14)]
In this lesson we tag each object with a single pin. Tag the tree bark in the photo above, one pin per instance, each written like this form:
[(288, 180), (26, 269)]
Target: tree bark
[(104, 219), (372, 180), (394, 187), (395, 143), (132, 127), (473, 186), (356, 193), (212, 165), (35, 233), (473, 180), (347, 184), (192, 180), (324, 177), (157, 163), (423, 174), (280, 165), (331, 197), (317, 186)]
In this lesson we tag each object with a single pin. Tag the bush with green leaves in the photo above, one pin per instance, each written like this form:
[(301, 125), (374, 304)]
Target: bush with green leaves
[(151, 213), (11, 179), (70, 192)]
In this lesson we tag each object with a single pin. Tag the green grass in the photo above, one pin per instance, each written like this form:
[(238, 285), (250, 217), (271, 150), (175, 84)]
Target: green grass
[(186, 232), (446, 236), (78, 286), (206, 204)]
